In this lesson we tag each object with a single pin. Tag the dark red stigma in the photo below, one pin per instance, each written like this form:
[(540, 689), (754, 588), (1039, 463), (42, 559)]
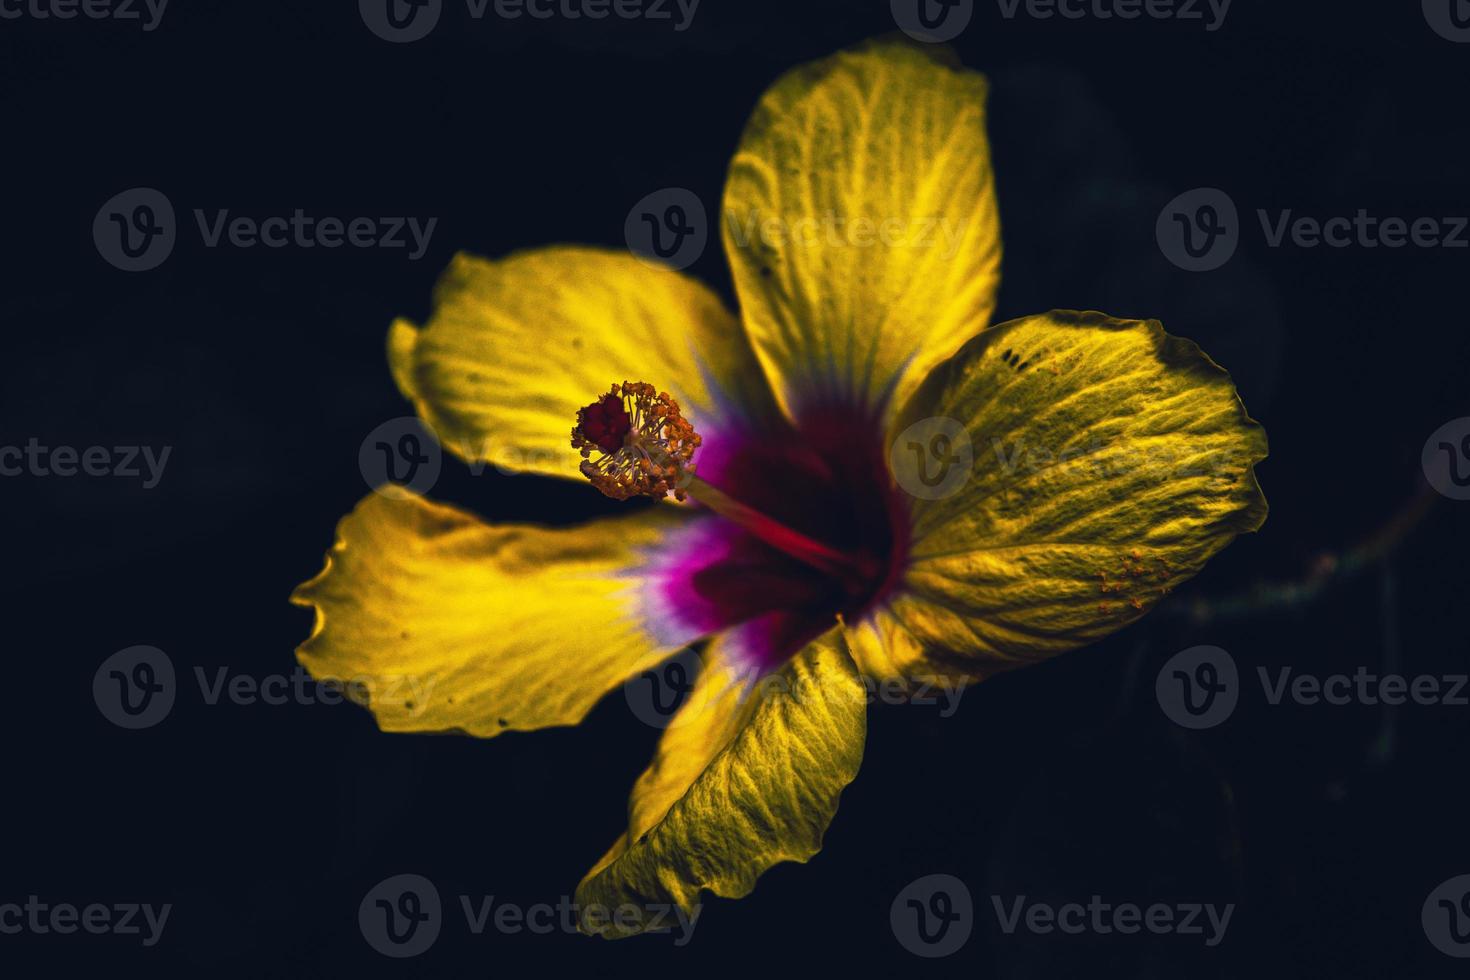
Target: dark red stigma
[(605, 422)]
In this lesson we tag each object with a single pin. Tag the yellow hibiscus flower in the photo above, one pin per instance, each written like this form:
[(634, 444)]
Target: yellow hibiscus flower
[(1102, 462)]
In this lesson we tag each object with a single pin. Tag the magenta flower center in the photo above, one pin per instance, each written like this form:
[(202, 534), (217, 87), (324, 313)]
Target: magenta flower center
[(826, 480), (805, 524)]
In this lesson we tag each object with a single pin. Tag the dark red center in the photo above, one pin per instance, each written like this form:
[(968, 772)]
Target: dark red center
[(827, 479), (606, 423)]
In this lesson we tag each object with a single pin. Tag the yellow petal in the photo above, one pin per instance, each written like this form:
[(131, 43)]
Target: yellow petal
[(720, 704), (440, 622), (746, 777), (1111, 461), (514, 347), (861, 224)]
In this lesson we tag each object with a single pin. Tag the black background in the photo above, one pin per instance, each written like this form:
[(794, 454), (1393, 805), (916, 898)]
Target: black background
[(264, 370)]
